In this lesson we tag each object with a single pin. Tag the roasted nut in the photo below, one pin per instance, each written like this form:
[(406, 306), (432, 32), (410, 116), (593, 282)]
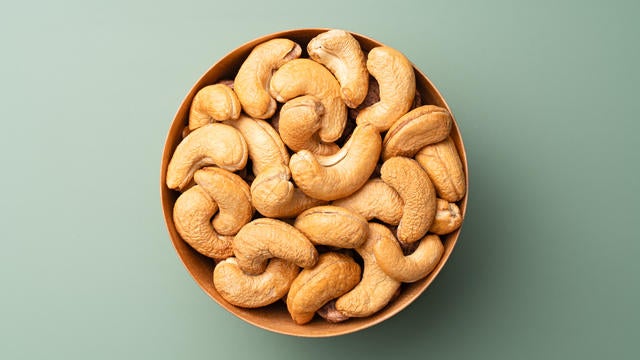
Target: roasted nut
[(442, 163), (299, 122), (252, 291), (332, 276), (375, 199), (332, 226), (448, 218), (213, 103)]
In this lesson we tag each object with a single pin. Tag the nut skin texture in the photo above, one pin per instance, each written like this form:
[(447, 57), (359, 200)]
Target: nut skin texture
[(299, 122), (442, 162), (213, 103), (341, 53), (265, 238), (448, 218), (397, 82), (331, 277), (416, 129), (408, 268), (336, 176), (376, 288), (333, 226), (251, 83), (273, 194), (263, 142), (252, 291), (329, 312), (232, 195), (192, 214), (306, 77), (211, 144), (375, 199), (414, 187)]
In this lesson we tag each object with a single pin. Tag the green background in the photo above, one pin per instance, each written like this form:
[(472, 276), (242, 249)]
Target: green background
[(545, 94)]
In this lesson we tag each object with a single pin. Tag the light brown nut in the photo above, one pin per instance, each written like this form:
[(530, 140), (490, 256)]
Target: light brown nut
[(273, 194), (306, 77), (376, 288), (341, 53), (375, 199), (448, 218), (332, 276), (266, 238), (263, 142), (299, 122), (252, 291), (442, 163), (252, 80), (211, 144), (232, 195), (341, 174), (416, 129), (332, 226), (213, 103), (408, 268), (414, 187), (397, 82), (192, 214)]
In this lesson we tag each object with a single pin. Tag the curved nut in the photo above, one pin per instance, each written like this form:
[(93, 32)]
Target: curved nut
[(307, 77), (252, 291), (332, 226), (213, 103), (266, 238), (339, 175), (232, 195), (375, 199), (273, 194), (448, 218), (408, 268), (192, 214), (263, 142), (397, 82), (341, 53), (333, 275), (442, 163), (416, 129), (376, 288), (252, 80), (412, 183), (299, 122), (211, 144)]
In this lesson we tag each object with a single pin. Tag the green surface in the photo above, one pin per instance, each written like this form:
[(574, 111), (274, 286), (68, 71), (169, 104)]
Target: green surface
[(545, 94)]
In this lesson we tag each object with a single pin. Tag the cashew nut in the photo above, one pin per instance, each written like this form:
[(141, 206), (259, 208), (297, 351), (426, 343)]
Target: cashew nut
[(376, 288), (252, 291), (263, 142), (448, 218), (252, 80), (307, 77), (375, 199), (442, 163), (397, 82), (416, 129), (332, 276), (299, 122), (266, 238), (332, 226), (231, 194), (412, 183), (341, 174), (408, 268), (273, 194), (213, 103), (192, 214), (211, 144), (341, 53), (329, 312)]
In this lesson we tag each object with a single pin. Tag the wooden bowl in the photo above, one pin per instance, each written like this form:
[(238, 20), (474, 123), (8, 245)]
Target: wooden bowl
[(275, 317)]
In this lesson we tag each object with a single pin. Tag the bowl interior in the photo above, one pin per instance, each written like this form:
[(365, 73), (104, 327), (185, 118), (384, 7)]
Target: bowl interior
[(275, 317)]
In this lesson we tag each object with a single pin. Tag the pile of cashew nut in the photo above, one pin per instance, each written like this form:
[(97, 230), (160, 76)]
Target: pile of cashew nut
[(320, 181)]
